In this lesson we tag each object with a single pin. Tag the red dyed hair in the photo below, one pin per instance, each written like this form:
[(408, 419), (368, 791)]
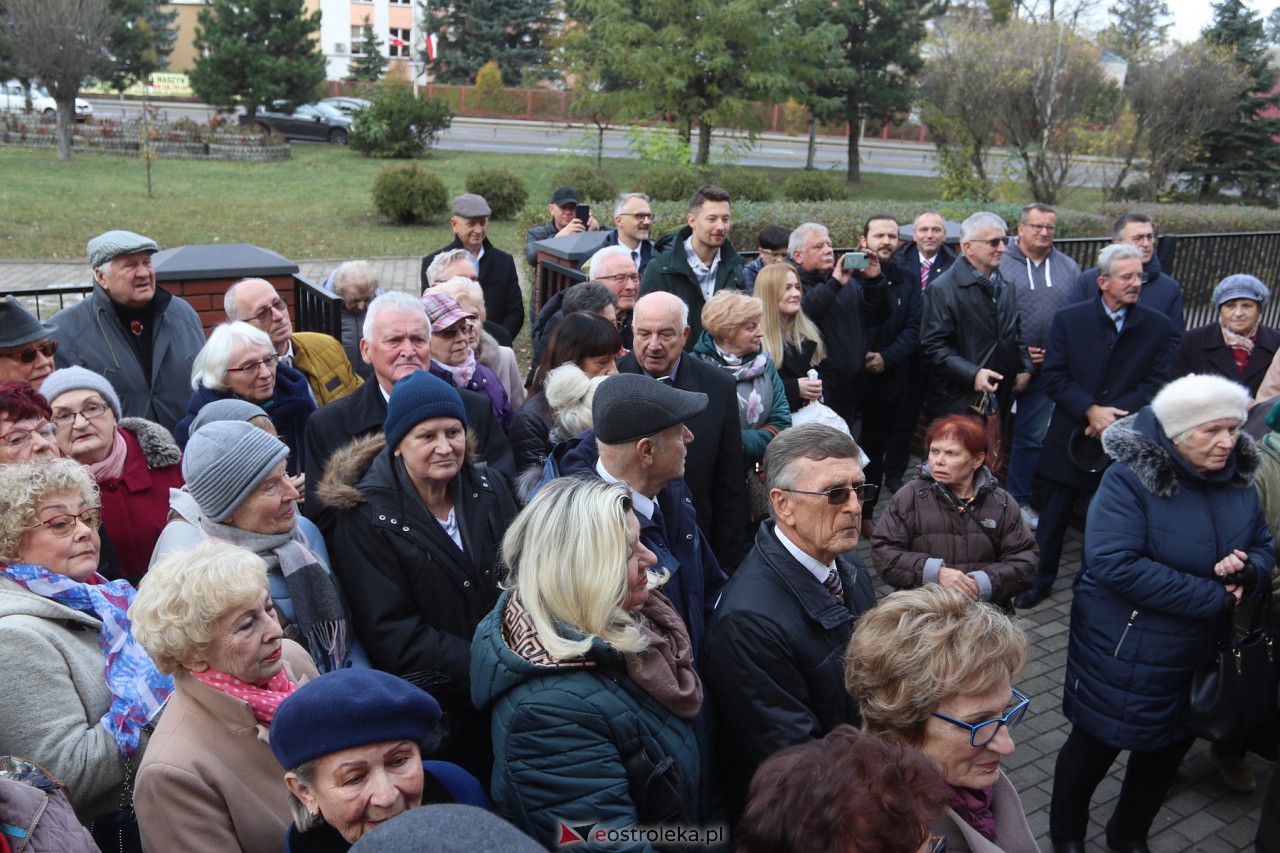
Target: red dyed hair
[(18, 402), (968, 432)]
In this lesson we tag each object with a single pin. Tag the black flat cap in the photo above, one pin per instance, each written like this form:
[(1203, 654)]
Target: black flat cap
[(629, 406)]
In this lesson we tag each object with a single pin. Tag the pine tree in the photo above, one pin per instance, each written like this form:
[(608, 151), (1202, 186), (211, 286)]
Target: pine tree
[(1137, 29), (1243, 152), (257, 51), (370, 63), (474, 31)]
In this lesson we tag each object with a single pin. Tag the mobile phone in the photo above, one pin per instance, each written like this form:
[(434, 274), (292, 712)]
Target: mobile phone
[(856, 261), (582, 213)]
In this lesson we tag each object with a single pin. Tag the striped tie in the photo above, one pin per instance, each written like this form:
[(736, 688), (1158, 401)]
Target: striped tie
[(832, 583), (926, 267)]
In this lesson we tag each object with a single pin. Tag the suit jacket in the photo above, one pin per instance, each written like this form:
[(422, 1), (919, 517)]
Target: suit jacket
[(1159, 291), (1202, 350), (1088, 363), (499, 281), (714, 465), (646, 250), (907, 259)]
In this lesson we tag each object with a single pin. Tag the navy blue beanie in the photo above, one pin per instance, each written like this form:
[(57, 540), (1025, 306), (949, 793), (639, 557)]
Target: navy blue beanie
[(416, 398), (350, 707)]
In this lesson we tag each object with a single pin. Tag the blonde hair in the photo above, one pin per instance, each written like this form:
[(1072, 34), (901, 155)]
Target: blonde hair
[(729, 310), (918, 647), (23, 485), (577, 577), (569, 393), (460, 288), (186, 592), (781, 332)]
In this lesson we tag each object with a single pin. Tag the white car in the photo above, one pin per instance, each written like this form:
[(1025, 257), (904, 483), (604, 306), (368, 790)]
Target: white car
[(13, 98)]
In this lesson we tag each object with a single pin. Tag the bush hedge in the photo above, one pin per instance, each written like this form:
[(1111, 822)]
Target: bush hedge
[(815, 186), (671, 183), (503, 189), (407, 193), (592, 184), (1199, 218), (399, 124), (743, 184)]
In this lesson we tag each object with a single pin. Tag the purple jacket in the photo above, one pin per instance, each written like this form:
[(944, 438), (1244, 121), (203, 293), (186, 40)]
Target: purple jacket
[(483, 381)]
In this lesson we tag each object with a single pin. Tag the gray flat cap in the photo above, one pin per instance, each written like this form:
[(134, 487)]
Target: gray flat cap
[(1240, 286), (629, 406), (19, 326), (471, 206), (113, 244)]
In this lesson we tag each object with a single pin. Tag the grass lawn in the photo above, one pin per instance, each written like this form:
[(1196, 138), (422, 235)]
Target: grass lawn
[(316, 205)]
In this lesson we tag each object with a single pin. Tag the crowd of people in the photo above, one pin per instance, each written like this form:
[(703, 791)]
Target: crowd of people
[(266, 590)]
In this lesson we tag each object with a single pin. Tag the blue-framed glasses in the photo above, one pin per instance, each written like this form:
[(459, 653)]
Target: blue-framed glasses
[(981, 734)]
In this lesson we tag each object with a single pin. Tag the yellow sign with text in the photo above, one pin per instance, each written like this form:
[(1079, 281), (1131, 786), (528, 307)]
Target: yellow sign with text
[(163, 85)]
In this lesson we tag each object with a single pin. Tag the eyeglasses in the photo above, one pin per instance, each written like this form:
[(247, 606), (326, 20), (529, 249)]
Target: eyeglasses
[(1048, 229), (254, 366), (453, 331), (995, 241), (63, 526), (981, 734), (1142, 238), (278, 305), (620, 277), (639, 217), (89, 412), (937, 844), (28, 355), (18, 438), (839, 496)]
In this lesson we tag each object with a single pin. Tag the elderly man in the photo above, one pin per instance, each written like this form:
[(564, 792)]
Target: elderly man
[(140, 338), (714, 467), (564, 222), (458, 263), (315, 355), (1042, 278), (773, 664), (1159, 291), (844, 304), (611, 266), (1106, 359), (928, 255), (497, 269), (697, 260), (970, 339), (26, 350), (356, 284), (640, 438), (633, 218), (396, 342)]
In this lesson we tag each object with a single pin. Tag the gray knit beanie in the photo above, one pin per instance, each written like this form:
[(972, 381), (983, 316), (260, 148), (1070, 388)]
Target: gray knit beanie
[(228, 409), (1196, 399), (225, 461), (80, 379), (446, 828)]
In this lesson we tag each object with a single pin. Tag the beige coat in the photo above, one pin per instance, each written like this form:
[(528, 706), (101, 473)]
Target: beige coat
[(209, 780), (1013, 834)]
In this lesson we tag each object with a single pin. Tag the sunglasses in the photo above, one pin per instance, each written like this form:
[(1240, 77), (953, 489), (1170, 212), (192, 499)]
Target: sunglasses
[(995, 241), (28, 355), (839, 496), (63, 526)]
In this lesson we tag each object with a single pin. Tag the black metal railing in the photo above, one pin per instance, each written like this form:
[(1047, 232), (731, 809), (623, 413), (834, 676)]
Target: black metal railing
[(553, 277)]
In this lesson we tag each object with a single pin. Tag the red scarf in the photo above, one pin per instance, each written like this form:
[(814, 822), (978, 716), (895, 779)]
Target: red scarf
[(263, 701)]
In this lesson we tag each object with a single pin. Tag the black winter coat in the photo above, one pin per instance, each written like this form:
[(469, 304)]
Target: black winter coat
[(1202, 350), (503, 301), (844, 314), (1159, 291)]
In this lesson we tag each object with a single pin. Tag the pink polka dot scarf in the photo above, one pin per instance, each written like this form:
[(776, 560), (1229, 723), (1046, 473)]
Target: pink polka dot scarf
[(263, 701)]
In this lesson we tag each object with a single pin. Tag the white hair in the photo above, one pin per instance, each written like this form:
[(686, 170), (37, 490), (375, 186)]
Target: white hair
[(460, 286), (800, 236), (620, 205), (352, 272), (606, 252), (210, 366), (684, 306), (569, 393), (438, 264), (229, 303), (392, 302), (1116, 252), (981, 221)]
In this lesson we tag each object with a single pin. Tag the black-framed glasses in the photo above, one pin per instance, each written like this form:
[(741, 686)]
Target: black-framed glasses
[(264, 316), (839, 496), (620, 277), (89, 412), (253, 367), (63, 526), (28, 355), (981, 734), (640, 217), (19, 438)]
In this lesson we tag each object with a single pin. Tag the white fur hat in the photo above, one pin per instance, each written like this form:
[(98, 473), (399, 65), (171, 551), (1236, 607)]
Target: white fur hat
[(1186, 403)]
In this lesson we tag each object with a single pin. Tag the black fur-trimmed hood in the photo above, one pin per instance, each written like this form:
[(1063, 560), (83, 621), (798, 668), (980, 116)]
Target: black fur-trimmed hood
[(158, 447), (1134, 441), (347, 468)]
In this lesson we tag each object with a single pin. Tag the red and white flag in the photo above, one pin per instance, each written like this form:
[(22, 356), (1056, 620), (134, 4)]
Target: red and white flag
[(395, 42), (432, 46)]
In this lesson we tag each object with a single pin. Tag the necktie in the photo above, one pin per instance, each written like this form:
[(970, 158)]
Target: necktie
[(286, 360), (833, 584), (925, 268), (635, 257)]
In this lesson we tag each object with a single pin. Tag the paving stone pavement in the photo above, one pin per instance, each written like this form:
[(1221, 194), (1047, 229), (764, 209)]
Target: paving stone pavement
[(1201, 813)]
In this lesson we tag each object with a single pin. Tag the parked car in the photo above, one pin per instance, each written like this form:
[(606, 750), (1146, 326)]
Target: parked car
[(307, 121), (13, 98), (347, 106)]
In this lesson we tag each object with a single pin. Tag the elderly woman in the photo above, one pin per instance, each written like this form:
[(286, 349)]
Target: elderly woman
[(27, 430), (1175, 537), (356, 284), (850, 792), (588, 341), (209, 778), (789, 336), (134, 461), (953, 525), (453, 359), (1236, 345), (416, 546), (80, 689), (493, 355), (589, 674), (569, 394), (237, 491), (239, 361), (935, 669), (353, 743)]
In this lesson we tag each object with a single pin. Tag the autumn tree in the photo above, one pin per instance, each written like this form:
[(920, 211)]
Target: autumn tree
[(369, 63)]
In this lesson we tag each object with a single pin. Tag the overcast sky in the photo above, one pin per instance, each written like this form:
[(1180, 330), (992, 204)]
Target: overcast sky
[(1191, 16)]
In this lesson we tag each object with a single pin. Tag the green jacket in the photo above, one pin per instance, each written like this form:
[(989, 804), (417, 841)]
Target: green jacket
[(670, 271), (755, 440)]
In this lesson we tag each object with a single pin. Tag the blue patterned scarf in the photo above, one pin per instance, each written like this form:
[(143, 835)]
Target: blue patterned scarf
[(137, 688)]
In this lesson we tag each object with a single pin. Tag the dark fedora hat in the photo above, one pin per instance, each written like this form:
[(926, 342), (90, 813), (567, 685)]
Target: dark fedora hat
[(1086, 452), (19, 326)]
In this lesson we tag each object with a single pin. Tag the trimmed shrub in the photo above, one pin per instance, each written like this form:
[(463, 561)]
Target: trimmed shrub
[(398, 124), (407, 193), (1199, 218), (592, 184), (502, 188), (815, 186), (743, 184), (671, 183)]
